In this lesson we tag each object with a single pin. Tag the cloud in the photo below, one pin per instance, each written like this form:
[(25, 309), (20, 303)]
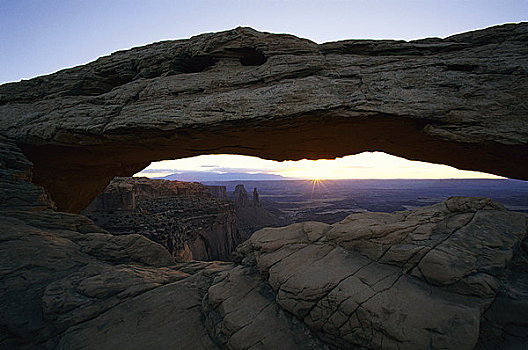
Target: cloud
[(241, 170), (209, 169), (158, 171)]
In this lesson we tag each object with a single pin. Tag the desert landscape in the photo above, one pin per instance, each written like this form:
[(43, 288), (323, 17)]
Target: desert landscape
[(379, 265), (331, 201)]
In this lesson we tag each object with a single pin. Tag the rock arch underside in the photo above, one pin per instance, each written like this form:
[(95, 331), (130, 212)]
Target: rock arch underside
[(452, 275)]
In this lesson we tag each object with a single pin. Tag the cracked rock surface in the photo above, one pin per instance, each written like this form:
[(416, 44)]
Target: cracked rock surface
[(63, 280), (428, 278)]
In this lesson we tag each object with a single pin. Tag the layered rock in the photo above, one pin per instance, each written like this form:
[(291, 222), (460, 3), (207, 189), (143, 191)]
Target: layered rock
[(184, 217), (68, 284), (60, 273), (447, 276), (277, 97), (217, 191)]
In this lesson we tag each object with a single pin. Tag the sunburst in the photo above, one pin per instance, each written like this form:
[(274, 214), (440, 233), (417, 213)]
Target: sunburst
[(317, 183)]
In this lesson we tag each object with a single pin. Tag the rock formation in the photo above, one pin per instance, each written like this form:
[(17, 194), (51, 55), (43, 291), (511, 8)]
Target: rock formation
[(193, 221), (217, 191), (452, 275), (251, 216), (240, 196), (184, 217), (255, 202), (454, 101), (440, 277)]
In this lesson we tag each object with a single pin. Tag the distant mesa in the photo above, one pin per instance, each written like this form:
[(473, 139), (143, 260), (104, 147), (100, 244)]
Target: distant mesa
[(202, 176)]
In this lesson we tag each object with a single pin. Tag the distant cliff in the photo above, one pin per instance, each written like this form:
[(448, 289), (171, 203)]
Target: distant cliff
[(192, 220)]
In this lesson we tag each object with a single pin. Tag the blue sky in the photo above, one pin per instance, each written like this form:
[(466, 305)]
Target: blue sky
[(41, 37)]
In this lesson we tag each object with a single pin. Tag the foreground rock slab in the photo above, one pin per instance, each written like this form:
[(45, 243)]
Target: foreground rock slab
[(455, 101), (429, 278)]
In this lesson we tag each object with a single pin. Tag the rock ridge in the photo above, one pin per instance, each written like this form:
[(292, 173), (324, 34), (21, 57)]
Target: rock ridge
[(350, 282)]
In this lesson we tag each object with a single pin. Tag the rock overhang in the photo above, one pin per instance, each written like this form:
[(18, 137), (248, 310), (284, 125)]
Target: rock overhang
[(455, 101)]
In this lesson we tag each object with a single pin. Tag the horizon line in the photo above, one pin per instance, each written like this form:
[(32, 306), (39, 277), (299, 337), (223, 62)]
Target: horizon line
[(307, 179)]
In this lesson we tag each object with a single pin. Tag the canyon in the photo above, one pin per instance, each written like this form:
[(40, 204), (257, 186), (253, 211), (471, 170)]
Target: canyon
[(449, 275), (193, 221)]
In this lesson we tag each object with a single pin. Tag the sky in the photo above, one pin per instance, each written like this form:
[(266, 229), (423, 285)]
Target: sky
[(40, 37), (366, 165)]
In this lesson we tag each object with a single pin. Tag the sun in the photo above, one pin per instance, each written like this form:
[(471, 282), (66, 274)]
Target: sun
[(317, 185)]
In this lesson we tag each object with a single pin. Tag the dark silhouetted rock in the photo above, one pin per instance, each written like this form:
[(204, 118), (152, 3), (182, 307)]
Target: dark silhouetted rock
[(218, 191), (251, 216), (255, 202), (240, 196)]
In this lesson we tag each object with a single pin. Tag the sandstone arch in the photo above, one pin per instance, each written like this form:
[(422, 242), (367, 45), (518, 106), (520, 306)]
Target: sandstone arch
[(457, 101)]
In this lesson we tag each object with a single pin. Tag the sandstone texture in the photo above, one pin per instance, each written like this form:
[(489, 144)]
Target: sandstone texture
[(457, 101), (193, 221), (440, 277), (60, 271), (68, 284), (184, 217)]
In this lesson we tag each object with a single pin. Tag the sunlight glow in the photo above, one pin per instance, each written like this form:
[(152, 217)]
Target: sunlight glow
[(317, 186), (367, 165)]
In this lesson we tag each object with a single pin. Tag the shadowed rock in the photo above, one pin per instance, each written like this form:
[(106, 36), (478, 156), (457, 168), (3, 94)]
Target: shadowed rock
[(184, 217), (452, 275)]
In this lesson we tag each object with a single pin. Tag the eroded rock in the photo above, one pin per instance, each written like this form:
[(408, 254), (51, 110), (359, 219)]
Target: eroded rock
[(277, 97), (64, 279), (413, 280), (184, 217)]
